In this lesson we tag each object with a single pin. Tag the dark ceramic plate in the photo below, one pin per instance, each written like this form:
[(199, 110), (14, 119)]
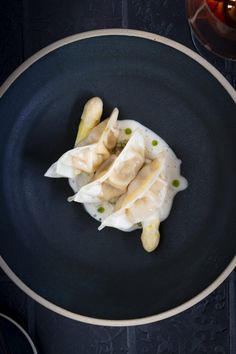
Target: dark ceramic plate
[(52, 249), (13, 338)]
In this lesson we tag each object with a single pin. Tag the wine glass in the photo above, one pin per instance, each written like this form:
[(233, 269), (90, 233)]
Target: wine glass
[(213, 30)]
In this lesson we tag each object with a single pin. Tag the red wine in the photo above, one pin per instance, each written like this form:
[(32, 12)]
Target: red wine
[(224, 10), (213, 22)]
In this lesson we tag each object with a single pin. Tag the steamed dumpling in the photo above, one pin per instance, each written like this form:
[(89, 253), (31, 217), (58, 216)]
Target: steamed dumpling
[(116, 173), (149, 204), (90, 153), (144, 196)]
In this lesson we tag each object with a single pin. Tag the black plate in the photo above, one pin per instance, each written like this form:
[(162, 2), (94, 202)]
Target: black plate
[(13, 338), (53, 246)]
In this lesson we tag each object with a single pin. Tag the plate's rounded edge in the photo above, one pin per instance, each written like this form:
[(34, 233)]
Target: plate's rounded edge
[(118, 323), (119, 32), (213, 71), (21, 329)]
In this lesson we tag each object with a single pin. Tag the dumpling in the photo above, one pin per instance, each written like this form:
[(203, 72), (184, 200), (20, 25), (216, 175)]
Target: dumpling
[(141, 203), (90, 153), (144, 196), (149, 204), (116, 173)]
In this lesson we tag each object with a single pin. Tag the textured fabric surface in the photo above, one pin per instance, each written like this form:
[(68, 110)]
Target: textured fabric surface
[(210, 326)]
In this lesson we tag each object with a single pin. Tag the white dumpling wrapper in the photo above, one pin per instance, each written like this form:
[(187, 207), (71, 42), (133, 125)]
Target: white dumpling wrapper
[(117, 175), (144, 196), (86, 158)]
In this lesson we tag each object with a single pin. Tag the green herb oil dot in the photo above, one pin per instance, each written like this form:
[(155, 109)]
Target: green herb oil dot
[(128, 131), (175, 183), (101, 209), (154, 143)]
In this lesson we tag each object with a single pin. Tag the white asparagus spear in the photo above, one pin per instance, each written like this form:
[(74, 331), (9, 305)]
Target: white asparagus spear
[(150, 236), (90, 118)]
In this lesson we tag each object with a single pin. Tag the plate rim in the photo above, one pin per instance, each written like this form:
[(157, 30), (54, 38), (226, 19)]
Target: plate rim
[(227, 86), (22, 330)]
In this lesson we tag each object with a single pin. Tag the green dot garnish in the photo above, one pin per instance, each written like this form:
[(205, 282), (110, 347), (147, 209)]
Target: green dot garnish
[(128, 131), (101, 209), (139, 224), (175, 183), (154, 143)]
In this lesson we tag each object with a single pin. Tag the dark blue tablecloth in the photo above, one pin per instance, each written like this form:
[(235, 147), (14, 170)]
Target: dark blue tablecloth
[(210, 326)]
